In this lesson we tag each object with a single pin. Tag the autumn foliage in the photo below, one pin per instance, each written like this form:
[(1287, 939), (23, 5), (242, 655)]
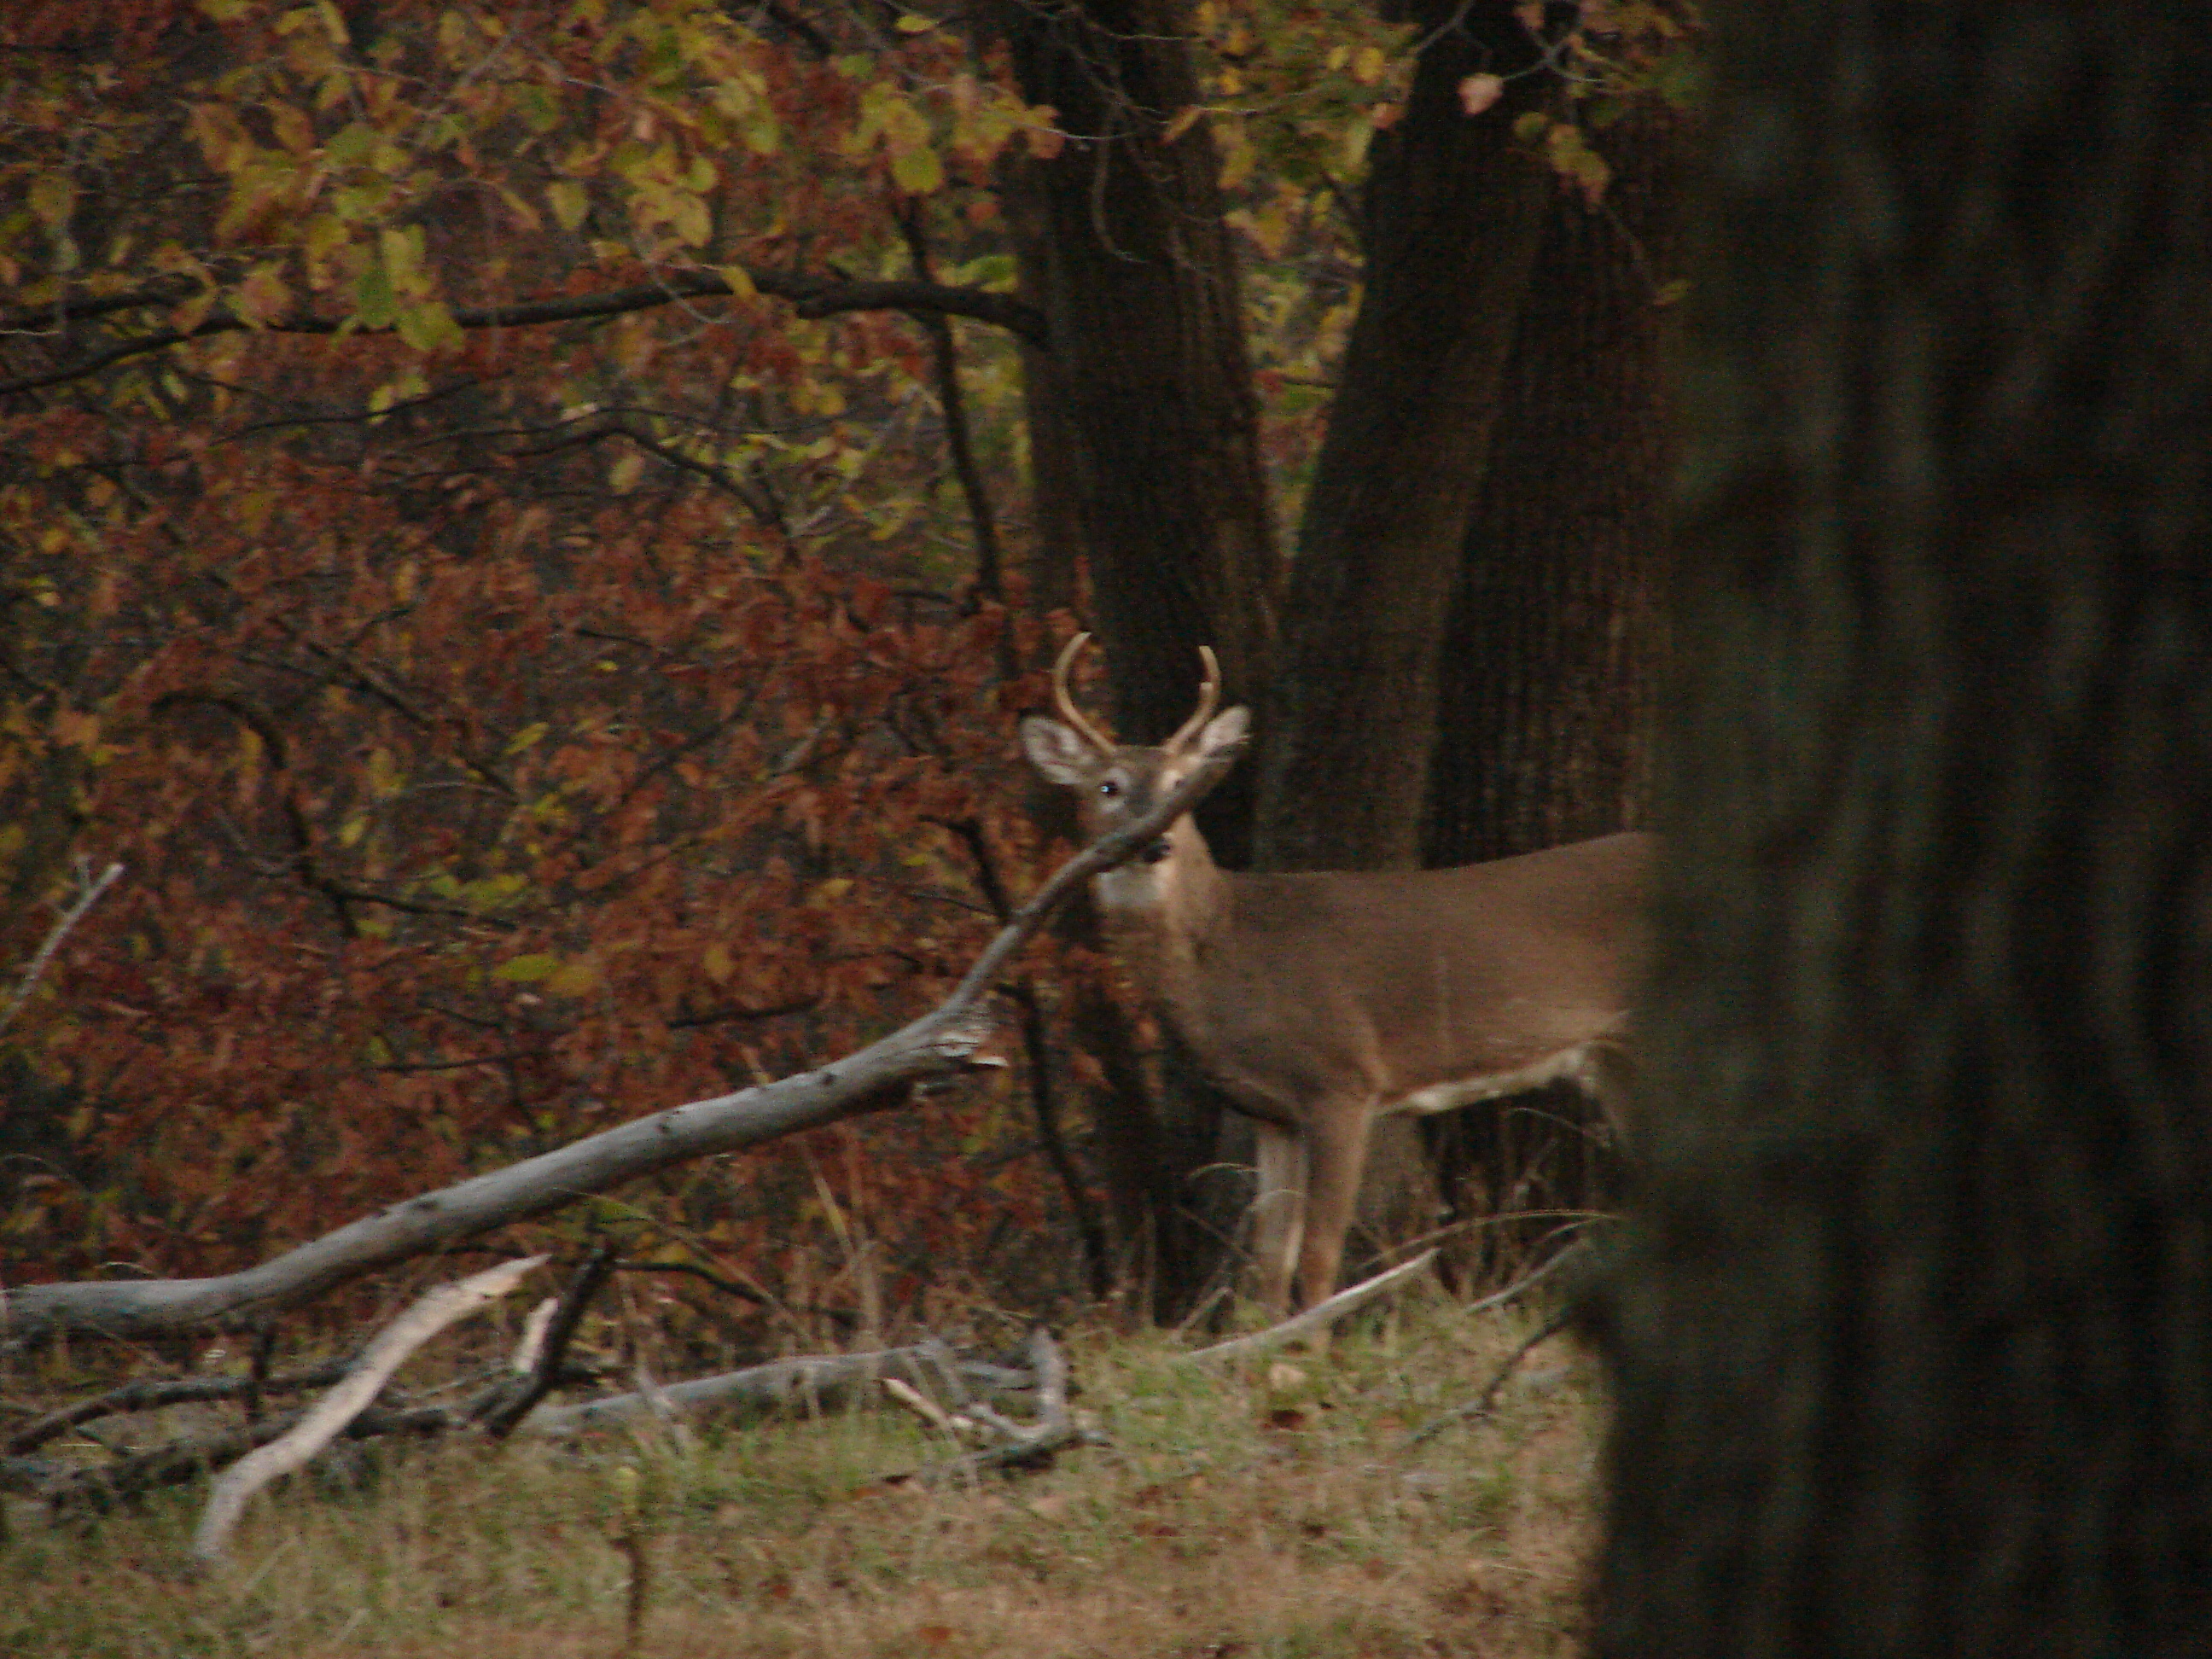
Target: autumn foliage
[(505, 730), (514, 539)]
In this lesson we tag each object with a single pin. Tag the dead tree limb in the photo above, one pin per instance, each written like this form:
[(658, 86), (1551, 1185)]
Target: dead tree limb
[(510, 1405), (784, 1385), (154, 1393), (1315, 1320), (327, 1418), (1033, 1446), (939, 1045), (60, 930)]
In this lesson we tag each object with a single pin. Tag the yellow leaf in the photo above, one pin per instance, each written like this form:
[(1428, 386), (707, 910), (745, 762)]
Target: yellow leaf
[(293, 129), (263, 297), (569, 202), (688, 214), (524, 970), (716, 961), (574, 977), (740, 280), (1185, 120), (430, 327), (912, 23), (1367, 65)]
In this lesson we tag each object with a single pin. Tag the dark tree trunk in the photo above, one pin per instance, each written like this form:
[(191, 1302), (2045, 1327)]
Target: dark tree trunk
[(1551, 664), (1909, 1335), (1453, 212), (1149, 386), (1551, 667), (1144, 429)]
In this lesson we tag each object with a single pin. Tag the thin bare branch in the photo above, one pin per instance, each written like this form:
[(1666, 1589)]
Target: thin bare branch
[(811, 296), (59, 932)]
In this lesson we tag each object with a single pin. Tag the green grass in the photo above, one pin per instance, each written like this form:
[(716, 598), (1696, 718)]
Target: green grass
[(1273, 1512)]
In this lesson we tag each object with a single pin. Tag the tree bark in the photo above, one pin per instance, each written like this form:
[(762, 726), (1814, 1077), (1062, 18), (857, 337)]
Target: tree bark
[(1909, 1332), (1453, 215), (1548, 687), (1147, 392), (1144, 463), (1552, 664)]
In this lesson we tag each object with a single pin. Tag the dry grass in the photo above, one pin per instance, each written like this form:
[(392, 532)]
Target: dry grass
[(1249, 1514)]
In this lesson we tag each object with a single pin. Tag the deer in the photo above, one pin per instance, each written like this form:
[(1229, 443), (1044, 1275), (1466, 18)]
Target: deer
[(1319, 1002)]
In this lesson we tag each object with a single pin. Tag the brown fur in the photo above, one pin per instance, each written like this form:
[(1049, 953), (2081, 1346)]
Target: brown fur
[(1319, 1002)]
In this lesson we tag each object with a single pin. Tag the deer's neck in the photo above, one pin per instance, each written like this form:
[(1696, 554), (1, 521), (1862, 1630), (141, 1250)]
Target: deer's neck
[(1158, 913)]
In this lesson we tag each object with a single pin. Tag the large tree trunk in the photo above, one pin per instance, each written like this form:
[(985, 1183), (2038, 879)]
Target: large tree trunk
[(1549, 682), (1148, 385), (1144, 430), (1909, 1335), (1453, 213), (1550, 674)]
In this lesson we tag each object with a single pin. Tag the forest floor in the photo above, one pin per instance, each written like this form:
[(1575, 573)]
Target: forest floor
[(1281, 1510)]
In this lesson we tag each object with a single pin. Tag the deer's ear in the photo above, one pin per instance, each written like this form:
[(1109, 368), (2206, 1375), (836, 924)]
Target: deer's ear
[(1225, 731), (1057, 752)]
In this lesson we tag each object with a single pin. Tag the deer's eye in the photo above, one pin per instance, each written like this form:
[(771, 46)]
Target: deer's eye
[(1109, 788)]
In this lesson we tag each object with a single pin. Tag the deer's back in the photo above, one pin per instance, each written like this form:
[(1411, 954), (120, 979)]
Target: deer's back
[(1409, 979)]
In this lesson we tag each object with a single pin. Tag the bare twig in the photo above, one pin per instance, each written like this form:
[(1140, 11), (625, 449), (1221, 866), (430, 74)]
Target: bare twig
[(59, 932), (811, 296), (952, 1425), (506, 1408), (783, 1385), (665, 1411), (1479, 1407), (431, 1313)]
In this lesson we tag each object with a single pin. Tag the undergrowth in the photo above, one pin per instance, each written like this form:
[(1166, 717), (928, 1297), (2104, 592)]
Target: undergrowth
[(1281, 1510)]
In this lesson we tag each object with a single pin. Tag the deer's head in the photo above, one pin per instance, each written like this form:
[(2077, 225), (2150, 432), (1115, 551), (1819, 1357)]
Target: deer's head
[(1115, 782)]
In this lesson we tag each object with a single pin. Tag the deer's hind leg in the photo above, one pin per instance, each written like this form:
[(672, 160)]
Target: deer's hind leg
[(1278, 1213)]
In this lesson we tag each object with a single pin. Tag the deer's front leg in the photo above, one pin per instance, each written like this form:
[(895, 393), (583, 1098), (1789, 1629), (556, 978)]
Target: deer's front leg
[(1278, 1213), (1336, 1152)]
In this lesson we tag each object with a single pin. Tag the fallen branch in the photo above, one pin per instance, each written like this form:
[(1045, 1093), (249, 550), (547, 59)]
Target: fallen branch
[(941, 1044), (431, 1313), (784, 1385), (540, 1362), (1317, 1318), (64, 1488), (1031, 1447), (153, 1394), (789, 1385)]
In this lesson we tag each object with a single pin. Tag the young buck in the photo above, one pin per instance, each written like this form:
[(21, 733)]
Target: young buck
[(1320, 1002)]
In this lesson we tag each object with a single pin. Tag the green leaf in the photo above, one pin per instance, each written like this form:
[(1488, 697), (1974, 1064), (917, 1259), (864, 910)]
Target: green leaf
[(917, 172), (374, 304)]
